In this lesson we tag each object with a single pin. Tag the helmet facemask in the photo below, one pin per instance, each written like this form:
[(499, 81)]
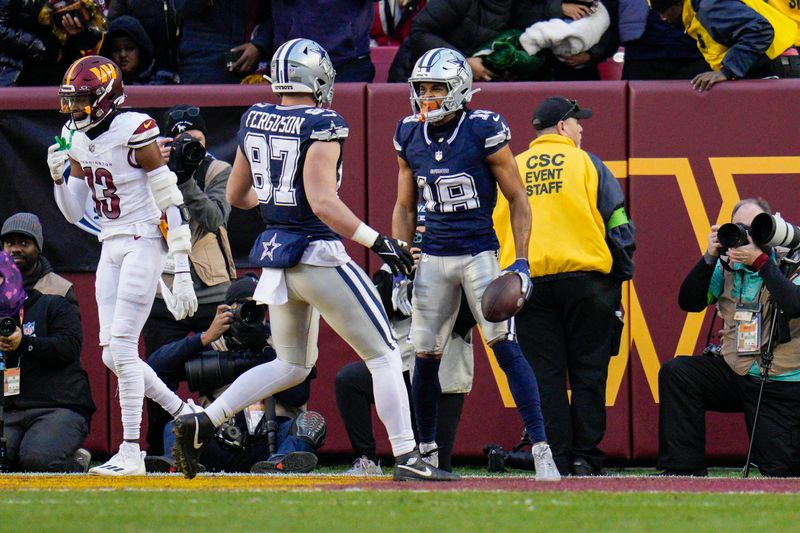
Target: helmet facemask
[(92, 90), (445, 66)]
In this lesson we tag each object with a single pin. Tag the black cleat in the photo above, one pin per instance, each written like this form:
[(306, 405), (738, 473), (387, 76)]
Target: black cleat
[(191, 432), (290, 463), (412, 467)]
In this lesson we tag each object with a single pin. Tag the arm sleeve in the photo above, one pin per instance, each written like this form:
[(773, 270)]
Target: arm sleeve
[(694, 292), (209, 208), (620, 231), (782, 290), (62, 345), (264, 34), (739, 27), (70, 198), (437, 19)]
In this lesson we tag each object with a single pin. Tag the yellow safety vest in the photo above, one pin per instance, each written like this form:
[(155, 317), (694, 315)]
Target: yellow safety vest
[(567, 232), (786, 31)]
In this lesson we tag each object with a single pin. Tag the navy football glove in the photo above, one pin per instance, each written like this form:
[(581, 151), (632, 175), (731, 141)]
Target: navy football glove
[(523, 269), (393, 254)]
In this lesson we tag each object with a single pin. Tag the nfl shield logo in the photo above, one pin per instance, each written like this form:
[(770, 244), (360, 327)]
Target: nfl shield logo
[(29, 328), (438, 155)]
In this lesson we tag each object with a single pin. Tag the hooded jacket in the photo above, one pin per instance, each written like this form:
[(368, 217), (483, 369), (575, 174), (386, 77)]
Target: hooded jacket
[(133, 29)]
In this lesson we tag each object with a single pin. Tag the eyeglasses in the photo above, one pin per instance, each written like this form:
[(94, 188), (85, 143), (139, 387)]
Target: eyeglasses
[(573, 109), (179, 114)]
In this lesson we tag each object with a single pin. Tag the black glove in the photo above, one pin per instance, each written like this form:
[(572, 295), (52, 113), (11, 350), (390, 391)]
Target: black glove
[(393, 254)]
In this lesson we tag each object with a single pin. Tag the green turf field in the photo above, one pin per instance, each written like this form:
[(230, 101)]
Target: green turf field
[(390, 511)]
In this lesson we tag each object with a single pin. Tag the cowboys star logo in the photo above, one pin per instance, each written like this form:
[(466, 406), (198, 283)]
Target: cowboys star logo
[(269, 247)]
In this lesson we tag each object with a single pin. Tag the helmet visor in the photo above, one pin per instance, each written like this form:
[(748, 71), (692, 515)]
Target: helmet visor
[(77, 105)]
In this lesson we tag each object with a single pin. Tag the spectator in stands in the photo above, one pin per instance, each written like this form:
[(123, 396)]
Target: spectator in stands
[(392, 22), (48, 404), (222, 41), (160, 21), (340, 26), (210, 361), (23, 239), (575, 38), (729, 381), (654, 50), (463, 25), (127, 44), (738, 38), (354, 383), (39, 38), (202, 182)]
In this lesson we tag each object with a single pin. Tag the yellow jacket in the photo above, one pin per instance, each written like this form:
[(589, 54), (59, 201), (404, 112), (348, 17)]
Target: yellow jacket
[(579, 221)]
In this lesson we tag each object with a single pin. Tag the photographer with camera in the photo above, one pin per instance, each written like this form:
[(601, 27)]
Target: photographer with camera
[(202, 180), (47, 404), (756, 281), (275, 435)]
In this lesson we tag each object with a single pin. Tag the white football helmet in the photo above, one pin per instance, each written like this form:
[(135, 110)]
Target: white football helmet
[(446, 66), (303, 66)]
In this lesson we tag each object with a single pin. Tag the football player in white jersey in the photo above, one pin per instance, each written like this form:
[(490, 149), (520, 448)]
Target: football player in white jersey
[(114, 156)]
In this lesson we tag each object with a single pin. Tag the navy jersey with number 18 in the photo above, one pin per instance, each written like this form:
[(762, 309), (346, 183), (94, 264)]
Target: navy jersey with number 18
[(275, 139), (454, 180)]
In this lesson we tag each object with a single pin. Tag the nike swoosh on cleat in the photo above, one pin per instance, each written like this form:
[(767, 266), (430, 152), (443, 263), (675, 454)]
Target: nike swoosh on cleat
[(425, 473), (197, 445)]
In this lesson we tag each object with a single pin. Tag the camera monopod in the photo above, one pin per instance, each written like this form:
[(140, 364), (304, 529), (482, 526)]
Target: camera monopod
[(3, 447), (766, 364)]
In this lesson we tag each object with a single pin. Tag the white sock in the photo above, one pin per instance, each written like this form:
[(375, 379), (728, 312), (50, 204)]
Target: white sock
[(256, 384), (391, 400), (131, 385), (129, 448), (154, 388)]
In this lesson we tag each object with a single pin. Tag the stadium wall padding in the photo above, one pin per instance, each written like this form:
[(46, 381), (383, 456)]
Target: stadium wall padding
[(683, 159)]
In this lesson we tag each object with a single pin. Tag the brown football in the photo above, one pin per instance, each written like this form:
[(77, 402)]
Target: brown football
[(503, 298)]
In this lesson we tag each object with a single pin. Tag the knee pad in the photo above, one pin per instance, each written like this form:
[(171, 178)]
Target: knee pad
[(310, 426)]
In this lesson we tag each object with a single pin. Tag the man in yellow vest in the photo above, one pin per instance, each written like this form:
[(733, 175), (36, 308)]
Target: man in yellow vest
[(738, 38), (580, 251)]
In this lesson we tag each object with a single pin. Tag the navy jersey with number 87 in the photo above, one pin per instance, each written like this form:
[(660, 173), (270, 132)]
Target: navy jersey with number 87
[(275, 140)]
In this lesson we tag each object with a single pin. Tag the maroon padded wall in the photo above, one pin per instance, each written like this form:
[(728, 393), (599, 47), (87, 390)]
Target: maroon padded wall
[(746, 131)]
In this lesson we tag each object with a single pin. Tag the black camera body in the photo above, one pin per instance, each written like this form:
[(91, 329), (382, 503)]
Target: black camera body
[(733, 235), (230, 436), (7, 326), (185, 156)]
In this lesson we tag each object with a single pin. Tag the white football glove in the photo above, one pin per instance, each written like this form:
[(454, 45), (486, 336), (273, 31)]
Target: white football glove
[(56, 159), (400, 300), (185, 298)]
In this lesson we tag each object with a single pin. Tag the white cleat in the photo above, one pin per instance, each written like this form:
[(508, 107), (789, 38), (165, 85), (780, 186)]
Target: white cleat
[(364, 467), (127, 462), (546, 469)]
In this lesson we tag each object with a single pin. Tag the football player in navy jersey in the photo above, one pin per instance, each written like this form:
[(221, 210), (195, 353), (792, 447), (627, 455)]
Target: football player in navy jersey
[(454, 158), (289, 166)]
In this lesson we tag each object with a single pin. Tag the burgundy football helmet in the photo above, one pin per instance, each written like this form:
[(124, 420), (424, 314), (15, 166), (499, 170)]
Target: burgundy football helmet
[(91, 91)]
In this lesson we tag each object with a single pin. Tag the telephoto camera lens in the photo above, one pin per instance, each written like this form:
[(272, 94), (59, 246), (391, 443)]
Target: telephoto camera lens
[(249, 312), (772, 230), (732, 235), (7, 326)]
